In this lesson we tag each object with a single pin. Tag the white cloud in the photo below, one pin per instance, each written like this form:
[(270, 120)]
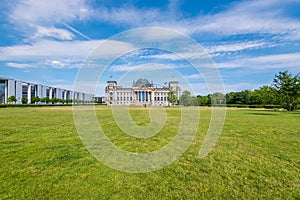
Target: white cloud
[(237, 46), (181, 56), (142, 67), (246, 17), (39, 18), (43, 49), (110, 48), (155, 34), (128, 15), (275, 61), (57, 64), (18, 65), (202, 89), (54, 11), (242, 86), (62, 54), (61, 34), (193, 76)]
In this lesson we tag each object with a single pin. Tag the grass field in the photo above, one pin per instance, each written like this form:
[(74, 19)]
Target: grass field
[(42, 157)]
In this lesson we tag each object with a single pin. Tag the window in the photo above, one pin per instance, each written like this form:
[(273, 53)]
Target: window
[(33, 90), (47, 92), (2, 91), (24, 91)]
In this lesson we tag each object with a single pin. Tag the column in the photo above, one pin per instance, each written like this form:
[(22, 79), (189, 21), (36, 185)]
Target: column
[(19, 92), (71, 95), (44, 92), (58, 95), (136, 97), (29, 93), (39, 91), (6, 91), (65, 95), (139, 96), (11, 88), (50, 93), (152, 96)]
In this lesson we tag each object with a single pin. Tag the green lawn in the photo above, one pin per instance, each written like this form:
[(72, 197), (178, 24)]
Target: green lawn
[(42, 157)]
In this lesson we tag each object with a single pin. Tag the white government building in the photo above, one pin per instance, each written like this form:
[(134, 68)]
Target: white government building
[(20, 89), (142, 92)]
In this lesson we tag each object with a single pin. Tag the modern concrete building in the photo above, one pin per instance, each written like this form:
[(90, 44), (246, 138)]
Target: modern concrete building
[(142, 92), (99, 99), (20, 89)]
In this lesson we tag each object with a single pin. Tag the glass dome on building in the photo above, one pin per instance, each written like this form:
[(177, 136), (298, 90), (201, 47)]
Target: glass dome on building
[(142, 82)]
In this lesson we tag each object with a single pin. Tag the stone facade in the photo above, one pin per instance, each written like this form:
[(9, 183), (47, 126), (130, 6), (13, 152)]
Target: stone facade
[(142, 92)]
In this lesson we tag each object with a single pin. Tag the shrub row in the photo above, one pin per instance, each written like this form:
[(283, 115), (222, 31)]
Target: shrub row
[(254, 106), (31, 105), (249, 106)]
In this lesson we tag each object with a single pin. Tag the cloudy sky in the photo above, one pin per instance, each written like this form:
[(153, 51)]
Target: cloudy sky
[(249, 41)]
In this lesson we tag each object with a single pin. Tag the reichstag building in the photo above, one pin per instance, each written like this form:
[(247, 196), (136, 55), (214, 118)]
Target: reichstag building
[(142, 92)]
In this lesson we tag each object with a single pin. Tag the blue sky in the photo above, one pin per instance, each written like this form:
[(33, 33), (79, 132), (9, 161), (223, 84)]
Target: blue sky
[(249, 41)]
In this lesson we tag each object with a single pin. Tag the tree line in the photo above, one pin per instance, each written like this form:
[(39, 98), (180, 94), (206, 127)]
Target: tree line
[(284, 93)]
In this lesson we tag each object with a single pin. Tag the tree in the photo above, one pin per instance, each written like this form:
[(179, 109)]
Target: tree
[(186, 98), (68, 101), (217, 98), (288, 89), (24, 100), (265, 95), (242, 97), (11, 99), (202, 100), (230, 97), (35, 99), (172, 97), (55, 100), (45, 100)]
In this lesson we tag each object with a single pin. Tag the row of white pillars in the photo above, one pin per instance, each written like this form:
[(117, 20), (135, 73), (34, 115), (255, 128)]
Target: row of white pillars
[(143, 96), (15, 88)]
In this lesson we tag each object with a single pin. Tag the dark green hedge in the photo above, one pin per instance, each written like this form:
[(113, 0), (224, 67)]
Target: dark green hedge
[(249, 106), (31, 105)]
